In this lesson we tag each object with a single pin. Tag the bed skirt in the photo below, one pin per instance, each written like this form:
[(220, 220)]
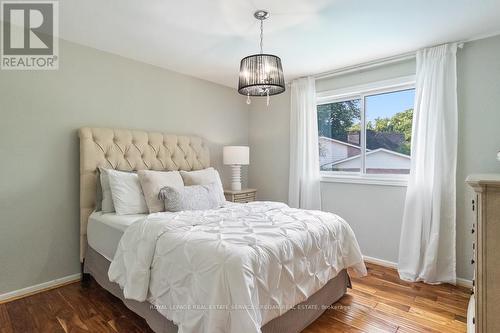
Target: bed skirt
[(293, 321)]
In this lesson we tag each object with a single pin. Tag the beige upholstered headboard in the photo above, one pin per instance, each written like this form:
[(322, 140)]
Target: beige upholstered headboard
[(130, 150)]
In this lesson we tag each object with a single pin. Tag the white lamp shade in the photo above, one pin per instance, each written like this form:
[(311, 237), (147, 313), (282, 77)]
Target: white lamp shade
[(236, 155)]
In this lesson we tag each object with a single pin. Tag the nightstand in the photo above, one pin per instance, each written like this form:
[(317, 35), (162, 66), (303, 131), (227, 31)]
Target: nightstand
[(241, 196)]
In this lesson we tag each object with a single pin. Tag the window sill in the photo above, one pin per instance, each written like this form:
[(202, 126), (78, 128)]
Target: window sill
[(365, 180)]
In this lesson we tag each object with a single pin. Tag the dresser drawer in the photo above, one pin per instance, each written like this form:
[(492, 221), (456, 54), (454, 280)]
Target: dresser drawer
[(485, 229)]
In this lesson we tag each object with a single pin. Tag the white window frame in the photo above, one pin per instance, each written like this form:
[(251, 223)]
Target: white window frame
[(361, 92)]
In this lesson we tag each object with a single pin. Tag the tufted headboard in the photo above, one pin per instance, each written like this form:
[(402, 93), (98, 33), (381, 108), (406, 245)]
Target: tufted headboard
[(130, 150)]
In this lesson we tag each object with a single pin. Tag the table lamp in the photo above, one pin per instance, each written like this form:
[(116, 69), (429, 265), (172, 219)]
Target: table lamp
[(236, 156)]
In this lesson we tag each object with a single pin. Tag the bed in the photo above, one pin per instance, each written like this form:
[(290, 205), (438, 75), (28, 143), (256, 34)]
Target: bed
[(101, 234)]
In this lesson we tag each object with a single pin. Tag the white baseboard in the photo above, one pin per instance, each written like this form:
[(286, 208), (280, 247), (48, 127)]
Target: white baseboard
[(12, 295), (464, 283), (385, 263), (380, 262)]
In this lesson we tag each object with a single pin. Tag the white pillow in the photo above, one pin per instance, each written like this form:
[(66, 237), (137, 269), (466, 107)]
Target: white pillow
[(205, 177), (107, 199), (126, 192), (151, 184)]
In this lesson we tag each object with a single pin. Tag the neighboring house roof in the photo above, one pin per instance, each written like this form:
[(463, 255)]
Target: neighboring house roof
[(326, 141), (343, 150), (372, 152), (387, 140), (339, 142)]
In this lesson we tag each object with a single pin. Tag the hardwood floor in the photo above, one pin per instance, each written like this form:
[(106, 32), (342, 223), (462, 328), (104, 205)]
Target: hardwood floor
[(380, 302)]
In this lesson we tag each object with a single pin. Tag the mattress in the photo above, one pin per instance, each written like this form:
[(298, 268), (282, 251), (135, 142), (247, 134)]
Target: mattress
[(104, 231)]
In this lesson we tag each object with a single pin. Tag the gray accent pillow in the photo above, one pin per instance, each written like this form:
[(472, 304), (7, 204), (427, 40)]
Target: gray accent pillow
[(98, 194), (205, 177), (195, 197), (104, 199), (107, 205)]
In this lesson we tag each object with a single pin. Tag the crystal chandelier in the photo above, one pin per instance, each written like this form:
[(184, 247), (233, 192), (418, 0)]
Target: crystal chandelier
[(261, 74)]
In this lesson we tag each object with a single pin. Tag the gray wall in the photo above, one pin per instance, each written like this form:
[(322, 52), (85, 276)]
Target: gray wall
[(478, 131), (375, 211), (40, 114), (269, 138)]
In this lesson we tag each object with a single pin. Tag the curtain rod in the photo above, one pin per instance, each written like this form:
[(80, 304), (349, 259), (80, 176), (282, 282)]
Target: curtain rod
[(371, 64)]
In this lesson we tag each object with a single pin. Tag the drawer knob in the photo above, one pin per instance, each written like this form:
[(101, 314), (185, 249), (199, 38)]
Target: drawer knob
[(472, 261), (472, 231)]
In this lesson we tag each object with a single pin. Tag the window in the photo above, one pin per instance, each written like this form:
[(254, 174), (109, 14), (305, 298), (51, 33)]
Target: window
[(337, 139), (366, 131)]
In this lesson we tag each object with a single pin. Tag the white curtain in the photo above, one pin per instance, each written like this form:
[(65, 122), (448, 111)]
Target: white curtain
[(304, 182), (427, 244)]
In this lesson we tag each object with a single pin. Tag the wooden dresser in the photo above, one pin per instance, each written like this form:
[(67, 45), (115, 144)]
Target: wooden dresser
[(486, 249)]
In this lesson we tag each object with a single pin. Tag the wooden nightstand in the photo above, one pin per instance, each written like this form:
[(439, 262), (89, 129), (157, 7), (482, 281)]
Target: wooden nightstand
[(242, 196)]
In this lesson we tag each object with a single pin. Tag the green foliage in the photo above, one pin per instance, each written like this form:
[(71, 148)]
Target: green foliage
[(335, 119), (405, 148), (400, 123)]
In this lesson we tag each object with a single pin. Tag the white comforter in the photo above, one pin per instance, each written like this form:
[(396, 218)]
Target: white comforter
[(234, 268)]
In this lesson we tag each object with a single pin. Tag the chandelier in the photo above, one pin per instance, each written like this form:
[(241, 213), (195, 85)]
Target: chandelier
[(261, 74)]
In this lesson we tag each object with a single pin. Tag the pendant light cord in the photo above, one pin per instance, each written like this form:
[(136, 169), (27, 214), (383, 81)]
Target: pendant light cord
[(261, 36)]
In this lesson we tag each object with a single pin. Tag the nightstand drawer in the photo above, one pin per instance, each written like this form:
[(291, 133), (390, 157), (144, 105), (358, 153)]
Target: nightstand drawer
[(242, 196), (243, 200)]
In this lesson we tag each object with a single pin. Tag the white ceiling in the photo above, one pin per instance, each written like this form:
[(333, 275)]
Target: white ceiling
[(207, 38)]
